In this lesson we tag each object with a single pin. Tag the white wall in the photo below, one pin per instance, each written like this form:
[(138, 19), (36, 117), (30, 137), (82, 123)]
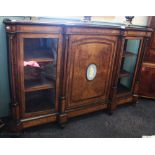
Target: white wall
[(138, 20)]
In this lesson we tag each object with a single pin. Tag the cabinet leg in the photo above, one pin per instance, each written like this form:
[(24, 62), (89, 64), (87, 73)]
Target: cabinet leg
[(109, 110), (63, 120), (15, 127), (135, 100), (1, 124), (62, 125)]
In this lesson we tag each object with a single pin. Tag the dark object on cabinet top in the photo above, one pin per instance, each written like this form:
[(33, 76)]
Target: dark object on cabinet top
[(77, 24)]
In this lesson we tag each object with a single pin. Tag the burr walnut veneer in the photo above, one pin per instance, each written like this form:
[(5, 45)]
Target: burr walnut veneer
[(62, 70)]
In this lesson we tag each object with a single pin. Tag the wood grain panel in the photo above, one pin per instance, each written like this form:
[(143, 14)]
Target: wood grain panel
[(153, 42), (150, 57), (136, 33), (147, 84), (88, 30), (83, 51), (45, 29)]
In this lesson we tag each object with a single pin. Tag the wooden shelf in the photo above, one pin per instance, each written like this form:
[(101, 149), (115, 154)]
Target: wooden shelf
[(39, 101), (34, 86), (124, 73), (41, 60), (39, 53), (128, 54), (122, 89), (149, 64)]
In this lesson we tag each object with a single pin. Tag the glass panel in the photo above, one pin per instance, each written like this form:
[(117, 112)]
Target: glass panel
[(40, 58), (124, 84), (128, 65), (39, 100), (131, 54), (39, 76), (35, 48)]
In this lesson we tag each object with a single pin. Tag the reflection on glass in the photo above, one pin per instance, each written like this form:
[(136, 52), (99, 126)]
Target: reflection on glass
[(128, 65), (124, 84), (40, 57), (45, 73), (40, 48), (39, 100)]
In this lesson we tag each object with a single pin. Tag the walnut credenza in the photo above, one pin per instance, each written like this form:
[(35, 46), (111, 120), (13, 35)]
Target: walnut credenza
[(62, 70)]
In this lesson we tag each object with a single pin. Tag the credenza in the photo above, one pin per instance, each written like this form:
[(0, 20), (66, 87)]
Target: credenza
[(59, 70)]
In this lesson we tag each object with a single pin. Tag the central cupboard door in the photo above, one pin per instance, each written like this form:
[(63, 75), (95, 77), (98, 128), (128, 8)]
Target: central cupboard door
[(89, 69)]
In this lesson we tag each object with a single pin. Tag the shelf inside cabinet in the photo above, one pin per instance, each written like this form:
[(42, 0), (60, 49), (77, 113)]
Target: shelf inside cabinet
[(124, 73), (122, 89), (49, 60), (128, 53), (38, 53), (31, 86), (39, 100)]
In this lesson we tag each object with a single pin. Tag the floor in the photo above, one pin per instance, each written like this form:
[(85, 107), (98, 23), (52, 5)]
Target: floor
[(126, 122)]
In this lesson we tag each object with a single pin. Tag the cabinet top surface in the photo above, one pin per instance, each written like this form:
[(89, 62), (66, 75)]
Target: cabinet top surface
[(77, 24)]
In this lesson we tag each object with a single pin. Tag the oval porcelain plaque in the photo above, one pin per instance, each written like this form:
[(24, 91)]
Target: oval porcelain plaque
[(91, 72)]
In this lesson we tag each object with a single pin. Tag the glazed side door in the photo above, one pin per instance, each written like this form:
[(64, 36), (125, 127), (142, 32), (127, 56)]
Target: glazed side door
[(39, 58), (89, 69), (130, 58)]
